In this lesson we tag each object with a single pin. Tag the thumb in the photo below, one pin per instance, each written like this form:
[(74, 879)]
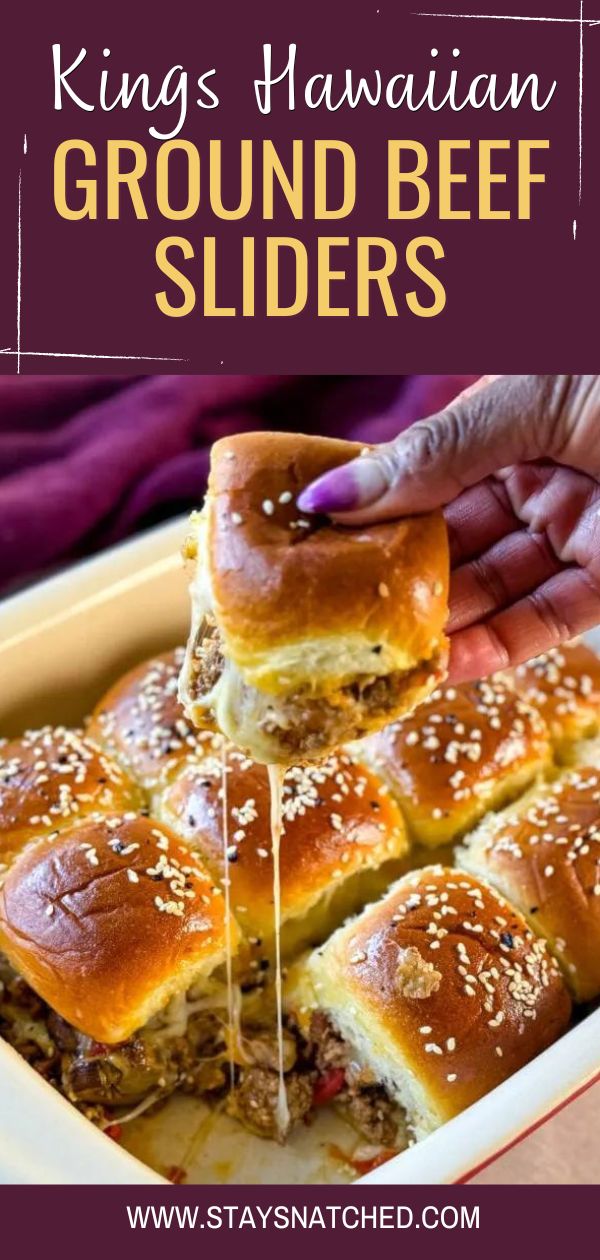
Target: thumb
[(500, 420)]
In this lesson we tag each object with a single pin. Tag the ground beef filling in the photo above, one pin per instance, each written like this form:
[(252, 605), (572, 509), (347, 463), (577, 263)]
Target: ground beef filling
[(208, 661), (322, 1073), (365, 1103), (106, 1081), (303, 724), (103, 1080)]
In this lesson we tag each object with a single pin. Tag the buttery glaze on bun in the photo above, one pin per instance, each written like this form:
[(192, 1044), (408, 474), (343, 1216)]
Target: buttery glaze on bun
[(466, 750), (306, 634), (51, 779), (544, 855), (440, 990), (140, 721), (564, 684), (343, 838), (110, 921)]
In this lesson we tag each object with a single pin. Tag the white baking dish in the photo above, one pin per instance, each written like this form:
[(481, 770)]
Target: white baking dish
[(61, 643)]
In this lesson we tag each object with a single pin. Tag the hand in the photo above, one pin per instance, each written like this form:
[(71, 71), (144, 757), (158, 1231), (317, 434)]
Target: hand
[(515, 463)]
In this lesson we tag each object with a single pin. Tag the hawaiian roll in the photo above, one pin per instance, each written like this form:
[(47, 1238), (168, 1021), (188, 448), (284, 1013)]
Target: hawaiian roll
[(342, 841), (140, 721), (466, 750), (51, 779), (306, 633), (438, 993), (564, 684), (110, 921), (544, 855)]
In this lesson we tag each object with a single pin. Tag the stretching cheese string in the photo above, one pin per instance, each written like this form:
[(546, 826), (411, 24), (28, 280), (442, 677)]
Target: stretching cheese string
[(276, 777), (231, 1013)]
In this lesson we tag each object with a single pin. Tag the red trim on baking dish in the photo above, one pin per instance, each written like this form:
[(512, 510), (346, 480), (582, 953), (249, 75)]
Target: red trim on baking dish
[(461, 1181)]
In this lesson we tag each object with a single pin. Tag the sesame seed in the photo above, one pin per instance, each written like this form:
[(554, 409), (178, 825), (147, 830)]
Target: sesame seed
[(236, 519), (451, 1077), (268, 507), (383, 590), (286, 497)]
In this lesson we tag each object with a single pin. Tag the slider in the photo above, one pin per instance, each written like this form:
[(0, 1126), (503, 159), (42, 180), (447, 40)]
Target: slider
[(564, 684), (305, 633), (466, 750), (141, 723), (544, 855), (114, 942), (51, 779), (426, 1001), (342, 844)]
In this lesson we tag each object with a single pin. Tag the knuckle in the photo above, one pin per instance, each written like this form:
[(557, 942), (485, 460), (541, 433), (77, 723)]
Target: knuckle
[(491, 582), (557, 628)]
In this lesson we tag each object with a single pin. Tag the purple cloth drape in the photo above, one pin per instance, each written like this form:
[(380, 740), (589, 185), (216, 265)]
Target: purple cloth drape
[(85, 461)]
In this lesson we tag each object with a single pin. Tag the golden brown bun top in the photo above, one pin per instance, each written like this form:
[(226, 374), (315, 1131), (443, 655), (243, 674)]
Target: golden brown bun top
[(499, 998), (52, 778), (457, 741), (564, 684), (279, 576), (544, 853), (109, 921), (141, 722), (337, 818)]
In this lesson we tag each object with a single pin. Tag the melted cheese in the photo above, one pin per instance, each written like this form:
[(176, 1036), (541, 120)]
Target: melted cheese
[(276, 776), (232, 1011)]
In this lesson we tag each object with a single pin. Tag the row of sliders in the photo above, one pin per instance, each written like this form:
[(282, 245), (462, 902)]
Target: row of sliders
[(113, 930)]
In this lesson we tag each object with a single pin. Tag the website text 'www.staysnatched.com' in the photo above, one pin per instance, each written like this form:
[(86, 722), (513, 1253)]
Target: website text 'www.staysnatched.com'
[(306, 1217)]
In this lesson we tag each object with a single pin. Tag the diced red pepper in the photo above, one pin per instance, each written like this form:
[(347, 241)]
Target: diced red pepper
[(114, 1131), (176, 1175), (364, 1166), (327, 1086), (96, 1049)]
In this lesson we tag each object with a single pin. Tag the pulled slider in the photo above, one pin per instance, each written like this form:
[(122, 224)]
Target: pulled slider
[(468, 749), (544, 855), (306, 634), (428, 999), (343, 841), (113, 943)]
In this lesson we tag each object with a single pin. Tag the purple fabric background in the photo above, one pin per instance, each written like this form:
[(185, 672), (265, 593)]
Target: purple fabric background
[(86, 461)]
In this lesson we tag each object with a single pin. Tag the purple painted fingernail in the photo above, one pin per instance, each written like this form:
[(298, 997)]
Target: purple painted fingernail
[(345, 489)]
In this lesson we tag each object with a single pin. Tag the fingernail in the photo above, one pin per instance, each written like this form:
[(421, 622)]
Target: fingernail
[(345, 489)]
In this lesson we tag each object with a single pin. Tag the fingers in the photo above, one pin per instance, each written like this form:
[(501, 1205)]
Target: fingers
[(564, 606), (478, 518), (503, 421), (515, 566), (563, 503)]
